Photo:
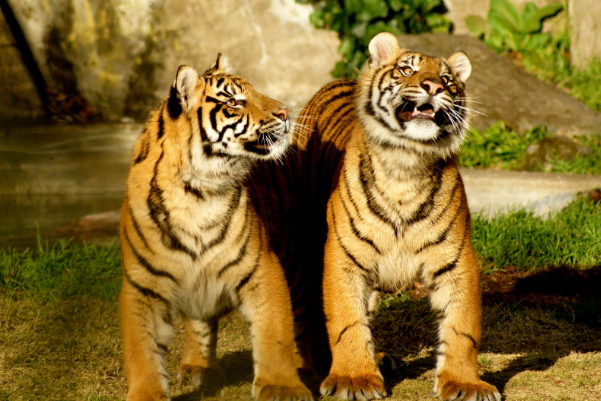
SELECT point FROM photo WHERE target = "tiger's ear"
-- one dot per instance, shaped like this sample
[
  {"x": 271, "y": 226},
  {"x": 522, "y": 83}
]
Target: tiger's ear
[
  {"x": 381, "y": 48},
  {"x": 184, "y": 87},
  {"x": 461, "y": 65},
  {"x": 222, "y": 64}
]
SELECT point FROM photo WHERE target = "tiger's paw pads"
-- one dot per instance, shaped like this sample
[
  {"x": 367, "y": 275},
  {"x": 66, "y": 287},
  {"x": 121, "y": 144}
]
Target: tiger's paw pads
[
  {"x": 361, "y": 388},
  {"x": 202, "y": 376},
  {"x": 271, "y": 392},
  {"x": 477, "y": 391}
]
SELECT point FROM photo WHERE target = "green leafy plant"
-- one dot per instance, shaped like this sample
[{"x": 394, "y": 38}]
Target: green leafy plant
[
  {"x": 508, "y": 30},
  {"x": 358, "y": 21}
]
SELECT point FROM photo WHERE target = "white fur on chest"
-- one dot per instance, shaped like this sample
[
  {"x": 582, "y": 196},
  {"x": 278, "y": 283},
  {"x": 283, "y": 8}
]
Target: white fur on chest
[{"x": 397, "y": 266}]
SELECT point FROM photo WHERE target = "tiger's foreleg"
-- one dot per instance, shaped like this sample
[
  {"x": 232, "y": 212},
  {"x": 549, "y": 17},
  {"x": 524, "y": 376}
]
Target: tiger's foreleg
[
  {"x": 146, "y": 328},
  {"x": 455, "y": 297},
  {"x": 354, "y": 374},
  {"x": 265, "y": 302},
  {"x": 199, "y": 359}
]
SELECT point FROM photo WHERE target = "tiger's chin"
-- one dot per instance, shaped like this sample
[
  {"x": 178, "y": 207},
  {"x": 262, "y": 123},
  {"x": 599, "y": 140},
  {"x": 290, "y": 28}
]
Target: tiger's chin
[
  {"x": 267, "y": 148},
  {"x": 422, "y": 130}
]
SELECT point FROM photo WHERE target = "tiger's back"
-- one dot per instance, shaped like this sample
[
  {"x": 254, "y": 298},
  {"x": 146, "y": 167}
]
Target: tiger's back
[{"x": 379, "y": 160}]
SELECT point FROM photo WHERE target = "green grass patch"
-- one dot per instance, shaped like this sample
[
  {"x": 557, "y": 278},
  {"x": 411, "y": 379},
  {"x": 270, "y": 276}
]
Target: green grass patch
[
  {"x": 498, "y": 147},
  {"x": 61, "y": 271},
  {"x": 502, "y": 148},
  {"x": 521, "y": 239},
  {"x": 585, "y": 84}
]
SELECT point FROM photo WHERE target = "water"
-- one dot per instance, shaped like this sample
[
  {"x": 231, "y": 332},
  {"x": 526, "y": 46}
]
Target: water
[{"x": 63, "y": 181}]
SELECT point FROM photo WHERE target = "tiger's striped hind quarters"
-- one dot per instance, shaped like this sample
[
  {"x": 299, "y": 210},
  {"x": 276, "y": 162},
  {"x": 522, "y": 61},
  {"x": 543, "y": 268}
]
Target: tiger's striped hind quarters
[
  {"x": 380, "y": 160},
  {"x": 192, "y": 242}
]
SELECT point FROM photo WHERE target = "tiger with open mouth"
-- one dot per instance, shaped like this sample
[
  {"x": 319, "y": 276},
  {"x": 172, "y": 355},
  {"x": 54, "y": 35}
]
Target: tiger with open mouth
[{"x": 379, "y": 163}]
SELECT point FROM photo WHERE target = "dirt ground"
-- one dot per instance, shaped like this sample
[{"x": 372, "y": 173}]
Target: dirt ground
[{"x": 541, "y": 341}]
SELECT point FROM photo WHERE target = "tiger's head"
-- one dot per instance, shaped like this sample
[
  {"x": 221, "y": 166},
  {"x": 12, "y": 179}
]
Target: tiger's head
[
  {"x": 229, "y": 119},
  {"x": 413, "y": 100}
]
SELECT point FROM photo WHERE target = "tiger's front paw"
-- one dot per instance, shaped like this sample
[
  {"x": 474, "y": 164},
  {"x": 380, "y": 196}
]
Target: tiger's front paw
[
  {"x": 202, "y": 376},
  {"x": 273, "y": 392},
  {"x": 479, "y": 390},
  {"x": 361, "y": 388}
]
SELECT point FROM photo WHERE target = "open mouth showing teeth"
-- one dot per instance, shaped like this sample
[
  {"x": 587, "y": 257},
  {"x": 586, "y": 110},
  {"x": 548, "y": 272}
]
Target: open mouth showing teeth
[{"x": 407, "y": 112}]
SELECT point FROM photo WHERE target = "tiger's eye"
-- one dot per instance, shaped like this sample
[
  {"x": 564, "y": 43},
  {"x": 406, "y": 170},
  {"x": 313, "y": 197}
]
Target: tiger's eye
[
  {"x": 406, "y": 71},
  {"x": 235, "y": 103}
]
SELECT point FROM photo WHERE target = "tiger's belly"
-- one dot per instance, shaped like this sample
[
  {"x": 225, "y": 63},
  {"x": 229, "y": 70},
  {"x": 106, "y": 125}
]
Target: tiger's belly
[
  {"x": 397, "y": 267},
  {"x": 202, "y": 293},
  {"x": 205, "y": 297}
]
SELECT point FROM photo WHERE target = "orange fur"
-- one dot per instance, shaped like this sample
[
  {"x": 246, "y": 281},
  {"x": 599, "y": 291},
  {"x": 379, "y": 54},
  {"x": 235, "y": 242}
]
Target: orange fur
[
  {"x": 195, "y": 245},
  {"x": 380, "y": 157}
]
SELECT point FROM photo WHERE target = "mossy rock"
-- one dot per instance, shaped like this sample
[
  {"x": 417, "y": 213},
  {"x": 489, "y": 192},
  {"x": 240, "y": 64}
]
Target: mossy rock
[{"x": 552, "y": 148}]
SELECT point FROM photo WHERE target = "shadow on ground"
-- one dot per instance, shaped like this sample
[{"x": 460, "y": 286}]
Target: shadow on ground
[{"x": 541, "y": 317}]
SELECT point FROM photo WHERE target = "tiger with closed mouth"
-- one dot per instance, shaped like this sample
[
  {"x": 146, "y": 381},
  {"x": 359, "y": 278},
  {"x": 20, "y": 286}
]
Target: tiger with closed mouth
[
  {"x": 193, "y": 242},
  {"x": 379, "y": 162}
]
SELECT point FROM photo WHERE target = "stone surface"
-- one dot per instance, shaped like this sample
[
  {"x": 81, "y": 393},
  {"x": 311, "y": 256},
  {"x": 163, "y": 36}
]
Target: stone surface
[
  {"x": 505, "y": 92},
  {"x": 493, "y": 192},
  {"x": 585, "y": 23},
  {"x": 19, "y": 98},
  {"x": 556, "y": 147},
  {"x": 122, "y": 55}
]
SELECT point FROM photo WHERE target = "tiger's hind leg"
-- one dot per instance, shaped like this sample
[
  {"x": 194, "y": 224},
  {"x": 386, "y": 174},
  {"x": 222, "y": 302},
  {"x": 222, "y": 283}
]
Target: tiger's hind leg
[
  {"x": 265, "y": 303},
  {"x": 455, "y": 297},
  {"x": 146, "y": 328},
  {"x": 199, "y": 358}
]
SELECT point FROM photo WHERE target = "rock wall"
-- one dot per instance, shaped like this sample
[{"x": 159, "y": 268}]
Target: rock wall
[
  {"x": 122, "y": 55},
  {"x": 19, "y": 98},
  {"x": 585, "y": 23}
]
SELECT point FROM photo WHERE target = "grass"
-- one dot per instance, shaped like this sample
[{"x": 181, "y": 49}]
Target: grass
[
  {"x": 519, "y": 238},
  {"x": 502, "y": 148},
  {"x": 568, "y": 238},
  {"x": 59, "y": 329},
  {"x": 61, "y": 271},
  {"x": 70, "y": 350}
]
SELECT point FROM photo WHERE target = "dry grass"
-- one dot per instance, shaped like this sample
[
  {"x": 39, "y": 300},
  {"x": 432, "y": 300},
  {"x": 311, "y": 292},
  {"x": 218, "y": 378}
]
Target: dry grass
[{"x": 535, "y": 346}]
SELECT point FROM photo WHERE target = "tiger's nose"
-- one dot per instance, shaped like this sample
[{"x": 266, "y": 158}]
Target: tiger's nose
[
  {"x": 282, "y": 114},
  {"x": 432, "y": 87}
]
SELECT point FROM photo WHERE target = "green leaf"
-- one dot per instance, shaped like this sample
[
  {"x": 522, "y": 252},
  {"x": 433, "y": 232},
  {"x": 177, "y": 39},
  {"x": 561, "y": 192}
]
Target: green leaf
[
  {"x": 429, "y": 5},
  {"x": 359, "y": 29},
  {"x": 348, "y": 47},
  {"x": 353, "y": 6},
  {"x": 533, "y": 17},
  {"x": 504, "y": 16},
  {"x": 434, "y": 20},
  {"x": 478, "y": 26},
  {"x": 317, "y": 17},
  {"x": 496, "y": 41},
  {"x": 396, "y": 5},
  {"x": 339, "y": 70},
  {"x": 372, "y": 9},
  {"x": 380, "y": 26}
]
